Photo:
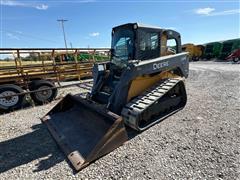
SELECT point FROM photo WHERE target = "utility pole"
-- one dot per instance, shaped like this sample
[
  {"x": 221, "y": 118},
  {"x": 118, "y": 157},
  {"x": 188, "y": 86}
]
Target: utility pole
[{"x": 64, "y": 35}]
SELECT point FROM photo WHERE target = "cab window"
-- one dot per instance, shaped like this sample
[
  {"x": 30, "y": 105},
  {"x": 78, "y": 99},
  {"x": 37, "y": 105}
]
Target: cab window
[
  {"x": 171, "y": 46},
  {"x": 148, "y": 41}
]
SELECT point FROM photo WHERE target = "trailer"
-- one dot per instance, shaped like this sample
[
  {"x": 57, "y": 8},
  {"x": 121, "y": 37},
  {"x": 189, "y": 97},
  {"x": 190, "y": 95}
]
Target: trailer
[{"x": 39, "y": 71}]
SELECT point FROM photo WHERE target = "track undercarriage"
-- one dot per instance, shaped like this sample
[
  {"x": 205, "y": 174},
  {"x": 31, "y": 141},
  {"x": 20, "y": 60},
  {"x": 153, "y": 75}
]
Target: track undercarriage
[{"x": 155, "y": 104}]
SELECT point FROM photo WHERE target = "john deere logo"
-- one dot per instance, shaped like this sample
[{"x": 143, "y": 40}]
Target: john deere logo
[{"x": 160, "y": 65}]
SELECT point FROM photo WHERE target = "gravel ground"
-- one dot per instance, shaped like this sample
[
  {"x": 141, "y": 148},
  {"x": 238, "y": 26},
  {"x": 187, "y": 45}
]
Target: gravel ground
[{"x": 200, "y": 142}]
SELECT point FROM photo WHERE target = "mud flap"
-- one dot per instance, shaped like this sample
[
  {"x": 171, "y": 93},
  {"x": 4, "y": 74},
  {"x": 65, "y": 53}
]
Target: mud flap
[{"x": 84, "y": 130}]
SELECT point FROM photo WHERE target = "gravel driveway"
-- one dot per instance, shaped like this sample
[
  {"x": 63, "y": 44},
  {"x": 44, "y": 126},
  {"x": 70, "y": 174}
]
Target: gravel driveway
[{"x": 200, "y": 142}]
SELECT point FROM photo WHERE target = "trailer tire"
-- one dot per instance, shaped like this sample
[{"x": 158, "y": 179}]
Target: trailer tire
[
  {"x": 45, "y": 96},
  {"x": 10, "y": 103}
]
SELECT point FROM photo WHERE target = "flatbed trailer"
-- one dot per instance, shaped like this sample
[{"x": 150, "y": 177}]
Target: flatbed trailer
[{"x": 36, "y": 71}]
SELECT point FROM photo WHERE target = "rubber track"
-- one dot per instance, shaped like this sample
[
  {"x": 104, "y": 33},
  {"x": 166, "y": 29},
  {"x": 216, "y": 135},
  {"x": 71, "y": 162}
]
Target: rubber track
[{"x": 132, "y": 111}]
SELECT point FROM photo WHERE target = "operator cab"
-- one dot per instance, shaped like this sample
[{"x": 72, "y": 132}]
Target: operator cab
[
  {"x": 130, "y": 43},
  {"x": 135, "y": 41}
]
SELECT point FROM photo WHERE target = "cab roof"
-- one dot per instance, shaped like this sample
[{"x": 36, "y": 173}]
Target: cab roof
[{"x": 139, "y": 25}]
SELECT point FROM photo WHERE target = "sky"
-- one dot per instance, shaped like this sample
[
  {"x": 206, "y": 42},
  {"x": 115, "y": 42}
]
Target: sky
[{"x": 33, "y": 23}]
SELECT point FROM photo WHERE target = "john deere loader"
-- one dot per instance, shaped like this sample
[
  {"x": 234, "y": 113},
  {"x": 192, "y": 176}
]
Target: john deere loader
[{"x": 141, "y": 85}]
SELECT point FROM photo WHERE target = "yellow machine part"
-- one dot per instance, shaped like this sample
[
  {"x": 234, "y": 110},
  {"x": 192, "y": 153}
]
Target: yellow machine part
[
  {"x": 141, "y": 83},
  {"x": 189, "y": 48},
  {"x": 164, "y": 45},
  {"x": 194, "y": 50},
  {"x": 198, "y": 50}
]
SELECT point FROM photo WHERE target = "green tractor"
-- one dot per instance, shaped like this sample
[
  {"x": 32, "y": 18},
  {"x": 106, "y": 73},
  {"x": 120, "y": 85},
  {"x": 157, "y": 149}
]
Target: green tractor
[
  {"x": 228, "y": 47},
  {"x": 212, "y": 50}
]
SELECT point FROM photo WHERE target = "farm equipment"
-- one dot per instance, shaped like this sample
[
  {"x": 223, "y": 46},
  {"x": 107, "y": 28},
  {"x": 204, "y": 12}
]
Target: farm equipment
[
  {"x": 35, "y": 72},
  {"x": 195, "y": 51},
  {"x": 198, "y": 52},
  {"x": 234, "y": 56},
  {"x": 228, "y": 47},
  {"x": 212, "y": 50},
  {"x": 190, "y": 49},
  {"x": 139, "y": 87}
]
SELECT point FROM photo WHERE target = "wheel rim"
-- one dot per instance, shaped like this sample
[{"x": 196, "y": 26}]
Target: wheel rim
[
  {"x": 43, "y": 95},
  {"x": 8, "y": 101}
]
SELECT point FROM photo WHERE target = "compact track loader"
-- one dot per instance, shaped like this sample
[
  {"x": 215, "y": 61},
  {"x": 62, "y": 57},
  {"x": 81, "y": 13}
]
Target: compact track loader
[{"x": 141, "y": 85}]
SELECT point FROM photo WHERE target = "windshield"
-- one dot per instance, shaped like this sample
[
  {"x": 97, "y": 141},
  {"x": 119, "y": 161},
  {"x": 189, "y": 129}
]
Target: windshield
[{"x": 122, "y": 47}]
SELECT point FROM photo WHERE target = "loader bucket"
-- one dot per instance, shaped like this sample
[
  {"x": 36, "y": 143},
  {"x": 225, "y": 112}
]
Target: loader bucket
[{"x": 83, "y": 130}]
